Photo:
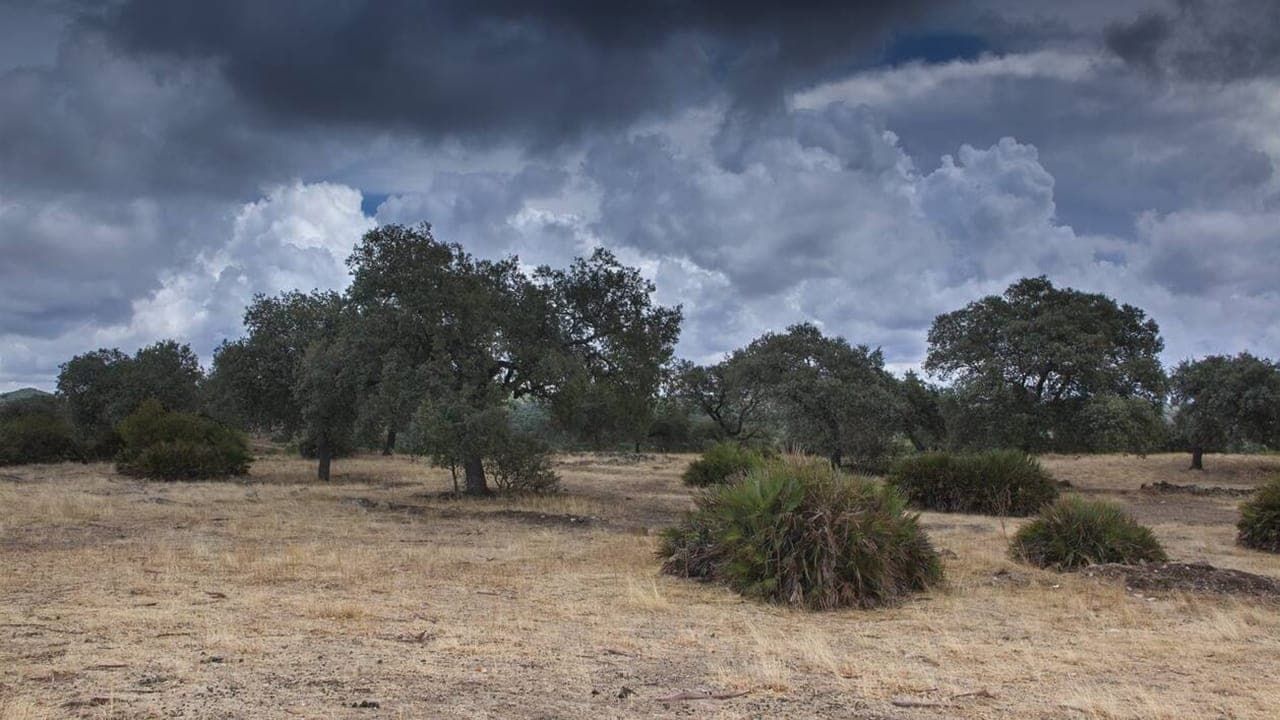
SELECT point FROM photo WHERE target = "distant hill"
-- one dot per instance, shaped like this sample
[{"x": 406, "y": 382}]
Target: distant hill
[{"x": 22, "y": 394}]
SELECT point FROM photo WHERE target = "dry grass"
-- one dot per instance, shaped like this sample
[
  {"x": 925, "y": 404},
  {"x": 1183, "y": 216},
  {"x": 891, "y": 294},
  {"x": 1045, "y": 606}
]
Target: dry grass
[{"x": 281, "y": 597}]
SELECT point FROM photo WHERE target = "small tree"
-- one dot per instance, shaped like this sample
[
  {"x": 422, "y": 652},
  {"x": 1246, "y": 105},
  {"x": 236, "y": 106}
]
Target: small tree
[
  {"x": 1220, "y": 401},
  {"x": 732, "y": 393},
  {"x": 102, "y": 387},
  {"x": 254, "y": 378},
  {"x": 834, "y": 399},
  {"x": 922, "y": 421},
  {"x": 326, "y": 401}
]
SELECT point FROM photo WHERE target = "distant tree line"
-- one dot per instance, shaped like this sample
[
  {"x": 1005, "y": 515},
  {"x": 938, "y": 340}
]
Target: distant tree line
[
  {"x": 487, "y": 366},
  {"x": 1038, "y": 368}
]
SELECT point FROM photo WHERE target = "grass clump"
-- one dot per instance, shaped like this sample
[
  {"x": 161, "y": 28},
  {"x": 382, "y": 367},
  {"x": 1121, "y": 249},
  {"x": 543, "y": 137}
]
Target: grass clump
[
  {"x": 721, "y": 463},
  {"x": 798, "y": 532},
  {"x": 1074, "y": 532},
  {"x": 1000, "y": 482},
  {"x": 162, "y": 445},
  {"x": 1259, "y": 524}
]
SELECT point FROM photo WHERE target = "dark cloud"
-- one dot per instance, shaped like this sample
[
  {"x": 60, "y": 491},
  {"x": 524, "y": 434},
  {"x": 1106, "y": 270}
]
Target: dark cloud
[
  {"x": 765, "y": 163},
  {"x": 1215, "y": 40},
  {"x": 539, "y": 73}
]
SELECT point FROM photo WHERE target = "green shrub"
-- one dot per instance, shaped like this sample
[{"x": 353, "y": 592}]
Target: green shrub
[
  {"x": 1260, "y": 519},
  {"x": 722, "y": 463},
  {"x": 800, "y": 533},
  {"x": 1002, "y": 482},
  {"x": 1074, "y": 532},
  {"x": 36, "y": 438},
  {"x": 164, "y": 445},
  {"x": 522, "y": 464}
]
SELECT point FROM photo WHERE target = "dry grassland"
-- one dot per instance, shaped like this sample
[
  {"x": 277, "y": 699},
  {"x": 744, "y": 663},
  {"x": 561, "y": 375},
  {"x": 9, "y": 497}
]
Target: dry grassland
[{"x": 281, "y": 597}]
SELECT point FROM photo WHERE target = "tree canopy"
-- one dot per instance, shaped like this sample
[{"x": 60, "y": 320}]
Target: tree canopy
[
  {"x": 485, "y": 332},
  {"x": 103, "y": 387},
  {"x": 1025, "y": 363},
  {"x": 1221, "y": 401}
]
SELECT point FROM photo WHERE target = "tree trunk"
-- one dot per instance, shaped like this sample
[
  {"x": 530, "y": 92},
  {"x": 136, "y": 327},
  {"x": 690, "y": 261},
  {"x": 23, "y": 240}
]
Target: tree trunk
[
  {"x": 390, "y": 446},
  {"x": 325, "y": 456},
  {"x": 473, "y": 468},
  {"x": 1197, "y": 459}
]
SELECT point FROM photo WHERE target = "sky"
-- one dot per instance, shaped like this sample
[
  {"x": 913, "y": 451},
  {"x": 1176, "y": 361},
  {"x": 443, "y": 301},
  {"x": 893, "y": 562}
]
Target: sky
[{"x": 861, "y": 165}]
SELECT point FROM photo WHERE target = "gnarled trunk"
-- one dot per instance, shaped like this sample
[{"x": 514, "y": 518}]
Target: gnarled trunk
[
  {"x": 1197, "y": 459},
  {"x": 473, "y": 469},
  {"x": 390, "y": 445}
]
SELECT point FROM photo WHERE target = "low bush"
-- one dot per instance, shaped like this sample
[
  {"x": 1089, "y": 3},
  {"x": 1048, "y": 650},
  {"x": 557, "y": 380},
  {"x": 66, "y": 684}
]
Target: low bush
[
  {"x": 164, "y": 445},
  {"x": 522, "y": 464},
  {"x": 1260, "y": 519},
  {"x": 800, "y": 533},
  {"x": 1074, "y": 532},
  {"x": 722, "y": 463},
  {"x": 36, "y": 438},
  {"x": 1002, "y": 482}
]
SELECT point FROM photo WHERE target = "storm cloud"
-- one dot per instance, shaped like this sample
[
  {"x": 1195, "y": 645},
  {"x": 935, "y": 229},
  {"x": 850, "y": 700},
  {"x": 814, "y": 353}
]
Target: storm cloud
[
  {"x": 863, "y": 166},
  {"x": 541, "y": 73}
]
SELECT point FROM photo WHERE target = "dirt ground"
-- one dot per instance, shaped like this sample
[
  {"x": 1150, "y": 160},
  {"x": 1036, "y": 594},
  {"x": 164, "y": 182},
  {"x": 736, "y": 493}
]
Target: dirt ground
[{"x": 375, "y": 597}]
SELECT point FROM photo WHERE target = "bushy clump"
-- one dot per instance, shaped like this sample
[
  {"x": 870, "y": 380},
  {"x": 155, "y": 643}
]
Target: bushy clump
[
  {"x": 164, "y": 445},
  {"x": 1260, "y": 519},
  {"x": 522, "y": 464},
  {"x": 722, "y": 463},
  {"x": 800, "y": 533},
  {"x": 1074, "y": 532},
  {"x": 36, "y": 438},
  {"x": 1002, "y": 482}
]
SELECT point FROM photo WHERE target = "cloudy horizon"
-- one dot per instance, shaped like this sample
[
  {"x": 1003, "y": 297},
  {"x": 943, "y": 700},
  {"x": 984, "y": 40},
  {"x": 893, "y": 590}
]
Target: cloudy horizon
[{"x": 864, "y": 166}]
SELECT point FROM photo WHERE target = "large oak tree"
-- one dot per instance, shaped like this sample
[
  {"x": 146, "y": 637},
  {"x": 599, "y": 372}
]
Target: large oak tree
[
  {"x": 1027, "y": 362},
  {"x": 485, "y": 332}
]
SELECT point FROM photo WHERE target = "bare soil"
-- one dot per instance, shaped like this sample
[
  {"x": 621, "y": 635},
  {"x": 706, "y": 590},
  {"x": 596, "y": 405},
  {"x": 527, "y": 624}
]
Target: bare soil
[
  {"x": 1189, "y": 577},
  {"x": 376, "y": 596}
]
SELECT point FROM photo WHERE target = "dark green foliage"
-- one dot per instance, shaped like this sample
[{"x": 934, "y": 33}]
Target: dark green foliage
[
  {"x": 521, "y": 464},
  {"x": 1074, "y": 532},
  {"x": 36, "y": 438},
  {"x": 831, "y": 398},
  {"x": 1221, "y": 402},
  {"x": 254, "y": 379},
  {"x": 515, "y": 459},
  {"x": 799, "y": 532},
  {"x": 1025, "y": 363},
  {"x": 587, "y": 340},
  {"x": 721, "y": 463},
  {"x": 101, "y": 388},
  {"x": 162, "y": 445},
  {"x": 1108, "y": 424},
  {"x": 922, "y": 420},
  {"x": 1260, "y": 519},
  {"x": 325, "y": 394},
  {"x": 732, "y": 393},
  {"x": 1002, "y": 482}
]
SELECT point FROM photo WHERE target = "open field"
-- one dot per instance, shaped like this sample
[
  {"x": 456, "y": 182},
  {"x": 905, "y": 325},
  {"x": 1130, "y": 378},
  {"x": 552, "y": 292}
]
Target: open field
[{"x": 282, "y": 597}]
